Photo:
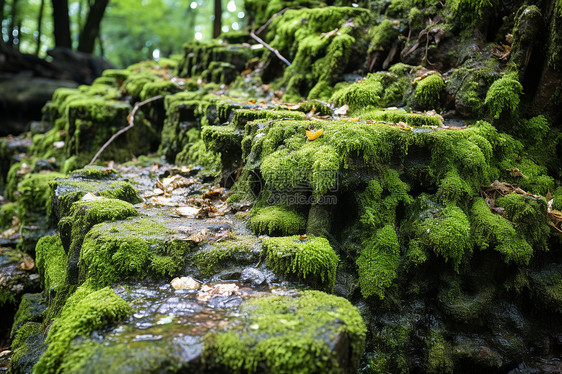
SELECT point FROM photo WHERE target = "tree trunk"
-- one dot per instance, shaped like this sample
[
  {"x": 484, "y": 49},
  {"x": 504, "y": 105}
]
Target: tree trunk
[
  {"x": 2, "y": 4},
  {"x": 39, "y": 27},
  {"x": 61, "y": 22},
  {"x": 12, "y": 26},
  {"x": 217, "y": 22},
  {"x": 91, "y": 29}
]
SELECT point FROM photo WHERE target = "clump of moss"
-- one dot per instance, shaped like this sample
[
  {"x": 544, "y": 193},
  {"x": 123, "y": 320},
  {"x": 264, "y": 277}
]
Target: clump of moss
[
  {"x": 83, "y": 215},
  {"x": 380, "y": 256},
  {"x": 472, "y": 11},
  {"x": 502, "y": 97},
  {"x": 395, "y": 116},
  {"x": 546, "y": 288},
  {"x": 85, "y": 311},
  {"x": 490, "y": 230},
  {"x": 311, "y": 258},
  {"x": 277, "y": 221},
  {"x": 7, "y": 214},
  {"x": 27, "y": 347},
  {"x": 427, "y": 93},
  {"x": 527, "y": 214},
  {"x": 287, "y": 334},
  {"x": 444, "y": 231},
  {"x": 35, "y": 193},
  {"x": 378, "y": 262},
  {"x": 51, "y": 261},
  {"x": 464, "y": 306},
  {"x": 130, "y": 249},
  {"x": 439, "y": 358}
]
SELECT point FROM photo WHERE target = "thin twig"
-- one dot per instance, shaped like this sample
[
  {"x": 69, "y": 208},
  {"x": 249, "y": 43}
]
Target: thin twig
[
  {"x": 257, "y": 39},
  {"x": 131, "y": 119},
  {"x": 260, "y": 30}
]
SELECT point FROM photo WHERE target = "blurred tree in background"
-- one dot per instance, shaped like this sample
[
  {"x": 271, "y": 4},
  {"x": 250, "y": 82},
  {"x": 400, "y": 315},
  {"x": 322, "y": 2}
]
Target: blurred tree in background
[{"x": 123, "y": 31}]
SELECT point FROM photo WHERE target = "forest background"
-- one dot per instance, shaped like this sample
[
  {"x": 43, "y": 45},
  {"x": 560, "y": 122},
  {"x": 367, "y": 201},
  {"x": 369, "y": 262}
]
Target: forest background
[{"x": 121, "y": 31}]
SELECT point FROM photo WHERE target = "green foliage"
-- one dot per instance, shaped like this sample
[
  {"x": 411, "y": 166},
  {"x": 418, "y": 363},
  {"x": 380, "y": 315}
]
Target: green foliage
[
  {"x": 51, "y": 261},
  {"x": 277, "y": 221},
  {"x": 428, "y": 92},
  {"x": 472, "y": 11},
  {"x": 311, "y": 258},
  {"x": 286, "y": 335},
  {"x": 85, "y": 311},
  {"x": 493, "y": 231},
  {"x": 503, "y": 96},
  {"x": 439, "y": 358}
]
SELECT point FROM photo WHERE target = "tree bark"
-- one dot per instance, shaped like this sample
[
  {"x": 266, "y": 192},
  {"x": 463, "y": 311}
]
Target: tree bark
[
  {"x": 12, "y": 26},
  {"x": 2, "y": 4},
  {"x": 217, "y": 22},
  {"x": 61, "y": 22},
  {"x": 39, "y": 27},
  {"x": 91, "y": 29}
]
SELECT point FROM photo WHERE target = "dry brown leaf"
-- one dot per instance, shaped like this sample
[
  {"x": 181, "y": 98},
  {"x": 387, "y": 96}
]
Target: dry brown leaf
[
  {"x": 222, "y": 289},
  {"x": 199, "y": 236},
  {"x": 27, "y": 263},
  {"x": 515, "y": 173}
]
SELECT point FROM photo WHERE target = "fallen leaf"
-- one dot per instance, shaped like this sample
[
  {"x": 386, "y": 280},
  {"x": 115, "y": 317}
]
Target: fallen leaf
[
  {"x": 222, "y": 289},
  {"x": 199, "y": 236},
  {"x": 341, "y": 111},
  {"x": 294, "y": 106},
  {"x": 185, "y": 283},
  {"x": 314, "y": 134},
  {"x": 27, "y": 263},
  {"x": 187, "y": 211},
  {"x": 91, "y": 197}
]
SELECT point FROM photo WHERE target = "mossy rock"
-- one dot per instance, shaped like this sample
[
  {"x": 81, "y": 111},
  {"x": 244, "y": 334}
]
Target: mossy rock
[
  {"x": 231, "y": 254},
  {"x": 85, "y": 311},
  {"x": 136, "y": 248},
  {"x": 311, "y": 260},
  {"x": 277, "y": 221},
  {"x": 290, "y": 334},
  {"x": 546, "y": 288},
  {"x": 52, "y": 261}
]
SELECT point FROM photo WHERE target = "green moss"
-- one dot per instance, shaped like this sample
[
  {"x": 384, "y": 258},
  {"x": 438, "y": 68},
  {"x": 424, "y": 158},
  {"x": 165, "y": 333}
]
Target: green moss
[
  {"x": 82, "y": 216},
  {"x": 472, "y": 11},
  {"x": 160, "y": 87},
  {"x": 27, "y": 347},
  {"x": 120, "y": 75},
  {"x": 31, "y": 309},
  {"x": 466, "y": 306},
  {"x": 85, "y": 311},
  {"x": 277, "y": 221},
  {"x": 243, "y": 116},
  {"x": 35, "y": 193},
  {"x": 287, "y": 335},
  {"x": 503, "y": 96},
  {"x": 439, "y": 358},
  {"x": 135, "y": 82},
  {"x": 311, "y": 258},
  {"x": 454, "y": 189},
  {"x": 364, "y": 94},
  {"x": 51, "y": 261},
  {"x": 95, "y": 173},
  {"x": 380, "y": 254},
  {"x": 384, "y": 35},
  {"x": 131, "y": 249},
  {"x": 493, "y": 231},
  {"x": 221, "y": 138},
  {"x": 557, "y": 199},
  {"x": 428, "y": 92},
  {"x": 446, "y": 232},
  {"x": 378, "y": 262},
  {"x": 546, "y": 288},
  {"x": 395, "y": 116},
  {"x": 7, "y": 214},
  {"x": 527, "y": 214},
  {"x": 234, "y": 250}
]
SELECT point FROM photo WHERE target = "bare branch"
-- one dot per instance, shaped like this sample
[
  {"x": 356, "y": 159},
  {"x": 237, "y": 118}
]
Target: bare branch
[
  {"x": 260, "y": 30},
  {"x": 131, "y": 120},
  {"x": 257, "y": 38}
]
